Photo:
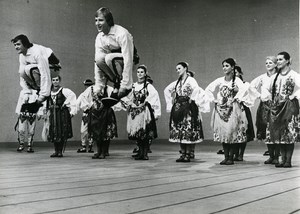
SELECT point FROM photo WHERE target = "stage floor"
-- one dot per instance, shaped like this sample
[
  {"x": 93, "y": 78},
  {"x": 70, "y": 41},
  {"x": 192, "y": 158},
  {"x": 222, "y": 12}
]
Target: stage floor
[{"x": 36, "y": 183}]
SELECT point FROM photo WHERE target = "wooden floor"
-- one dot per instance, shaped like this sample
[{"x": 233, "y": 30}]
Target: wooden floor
[{"x": 36, "y": 183}]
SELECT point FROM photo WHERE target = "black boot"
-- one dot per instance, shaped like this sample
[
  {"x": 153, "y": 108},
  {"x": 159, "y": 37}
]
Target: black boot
[
  {"x": 183, "y": 153},
  {"x": 99, "y": 151},
  {"x": 236, "y": 151},
  {"x": 55, "y": 151},
  {"x": 146, "y": 150},
  {"x": 276, "y": 154},
  {"x": 271, "y": 148},
  {"x": 60, "y": 149},
  {"x": 90, "y": 149},
  {"x": 242, "y": 151},
  {"x": 106, "y": 151},
  {"x": 226, "y": 153},
  {"x": 231, "y": 151},
  {"x": 283, "y": 156},
  {"x": 289, "y": 154},
  {"x": 141, "y": 151},
  {"x": 82, "y": 149}
]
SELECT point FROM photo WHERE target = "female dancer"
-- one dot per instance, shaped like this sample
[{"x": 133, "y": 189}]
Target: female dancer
[
  {"x": 143, "y": 109},
  {"x": 261, "y": 84},
  {"x": 284, "y": 122},
  {"x": 102, "y": 121},
  {"x": 229, "y": 120},
  {"x": 61, "y": 106},
  {"x": 184, "y": 98}
]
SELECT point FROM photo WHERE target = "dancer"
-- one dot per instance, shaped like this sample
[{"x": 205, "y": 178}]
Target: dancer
[
  {"x": 85, "y": 129},
  {"x": 229, "y": 120},
  {"x": 259, "y": 87},
  {"x": 115, "y": 54},
  {"x": 144, "y": 108},
  {"x": 283, "y": 128},
  {"x": 35, "y": 64},
  {"x": 61, "y": 106},
  {"x": 184, "y": 99},
  {"x": 102, "y": 121}
]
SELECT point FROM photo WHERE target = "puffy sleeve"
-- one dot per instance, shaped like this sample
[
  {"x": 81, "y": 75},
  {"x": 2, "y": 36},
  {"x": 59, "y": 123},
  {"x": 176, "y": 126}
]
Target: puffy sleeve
[
  {"x": 243, "y": 87},
  {"x": 153, "y": 100},
  {"x": 70, "y": 101},
  {"x": 85, "y": 100},
  {"x": 252, "y": 92},
  {"x": 210, "y": 89},
  {"x": 296, "y": 92},
  {"x": 202, "y": 101},
  {"x": 169, "y": 94}
]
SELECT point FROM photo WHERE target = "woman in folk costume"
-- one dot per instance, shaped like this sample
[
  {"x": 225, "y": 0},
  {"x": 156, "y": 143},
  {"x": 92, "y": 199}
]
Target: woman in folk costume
[
  {"x": 184, "y": 101},
  {"x": 284, "y": 123},
  {"x": 61, "y": 106},
  {"x": 143, "y": 108},
  {"x": 259, "y": 88},
  {"x": 229, "y": 121},
  {"x": 102, "y": 121}
]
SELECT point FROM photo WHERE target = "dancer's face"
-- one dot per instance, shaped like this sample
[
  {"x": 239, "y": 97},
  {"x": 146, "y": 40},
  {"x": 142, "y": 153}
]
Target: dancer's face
[
  {"x": 270, "y": 65},
  {"x": 227, "y": 68},
  {"x": 20, "y": 47},
  {"x": 281, "y": 62},
  {"x": 141, "y": 74},
  {"x": 55, "y": 81},
  {"x": 180, "y": 70},
  {"x": 101, "y": 24}
]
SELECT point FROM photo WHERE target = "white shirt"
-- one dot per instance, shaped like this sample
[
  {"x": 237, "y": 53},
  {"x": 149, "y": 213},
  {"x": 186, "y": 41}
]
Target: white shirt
[
  {"x": 117, "y": 38},
  {"x": 37, "y": 54}
]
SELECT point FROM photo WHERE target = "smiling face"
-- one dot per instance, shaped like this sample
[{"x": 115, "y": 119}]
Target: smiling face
[
  {"x": 55, "y": 82},
  {"x": 141, "y": 74},
  {"x": 282, "y": 62},
  {"x": 180, "y": 70},
  {"x": 101, "y": 24},
  {"x": 20, "y": 47},
  {"x": 227, "y": 68},
  {"x": 270, "y": 65}
]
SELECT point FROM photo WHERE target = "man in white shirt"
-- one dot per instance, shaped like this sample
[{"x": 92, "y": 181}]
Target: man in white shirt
[
  {"x": 114, "y": 54},
  {"x": 35, "y": 64}
]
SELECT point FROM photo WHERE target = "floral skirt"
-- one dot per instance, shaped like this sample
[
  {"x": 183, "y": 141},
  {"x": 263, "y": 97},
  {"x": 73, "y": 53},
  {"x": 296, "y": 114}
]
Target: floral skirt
[
  {"x": 103, "y": 124},
  {"x": 141, "y": 123},
  {"x": 284, "y": 124},
  {"x": 185, "y": 122},
  {"x": 229, "y": 123}
]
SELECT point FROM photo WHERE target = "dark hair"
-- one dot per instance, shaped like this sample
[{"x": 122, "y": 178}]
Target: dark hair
[
  {"x": 144, "y": 67},
  {"x": 107, "y": 15},
  {"x": 24, "y": 40},
  {"x": 184, "y": 64},
  {"x": 231, "y": 62},
  {"x": 239, "y": 69},
  {"x": 286, "y": 57}
]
